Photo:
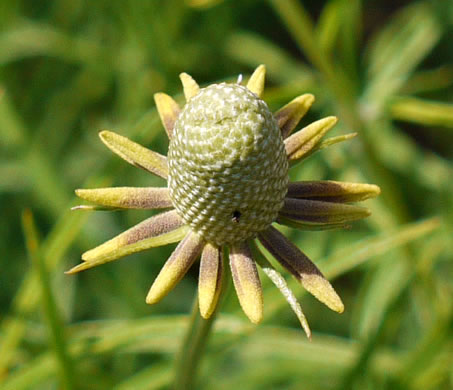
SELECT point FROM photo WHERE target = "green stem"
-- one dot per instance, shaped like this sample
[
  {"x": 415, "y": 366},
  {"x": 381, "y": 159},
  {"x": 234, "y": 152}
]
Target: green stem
[
  {"x": 192, "y": 349},
  {"x": 197, "y": 335},
  {"x": 50, "y": 309}
]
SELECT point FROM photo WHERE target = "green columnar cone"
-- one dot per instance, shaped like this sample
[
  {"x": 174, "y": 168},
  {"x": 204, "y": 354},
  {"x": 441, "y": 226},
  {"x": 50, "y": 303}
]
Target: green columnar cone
[{"x": 228, "y": 170}]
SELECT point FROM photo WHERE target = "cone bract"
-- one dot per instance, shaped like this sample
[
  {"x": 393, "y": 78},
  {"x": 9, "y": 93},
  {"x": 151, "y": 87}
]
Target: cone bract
[{"x": 228, "y": 170}]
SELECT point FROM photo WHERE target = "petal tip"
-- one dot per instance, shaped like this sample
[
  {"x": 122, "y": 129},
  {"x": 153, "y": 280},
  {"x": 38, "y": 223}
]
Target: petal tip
[
  {"x": 104, "y": 134},
  {"x": 338, "y": 306},
  {"x": 151, "y": 299},
  {"x": 190, "y": 86},
  {"x": 256, "y": 81},
  {"x": 205, "y": 313},
  {"x": 332, "y": 119},
  {"x": 375, "y": 190},
  {"x": 255, "y": 317}
]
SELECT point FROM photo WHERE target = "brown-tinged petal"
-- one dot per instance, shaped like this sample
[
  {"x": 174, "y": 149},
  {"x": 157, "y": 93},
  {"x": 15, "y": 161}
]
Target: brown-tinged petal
[
  {"x": 190, "y": 86},
  {"x": 168, "y": 111},
  {"x": 246, "y": 281},
  {"x": 301, "y": 143},
  {"x": 281, "y": 284},
  {"x": 210, "y": 280},
  {"x": 256, "y": 81},
  {"x": 332, "y": 191},
  {"x": 289, "y": 115},
  {"x": 301, "y": 267},
  {"x": 135, "y": 154},
  {"x": 319, "y": 211},
  {"x": 161, "y": 229},
  {"x": 176, "y": 266},
  {"x": 128, "y": 197},
  {"x": 309, "y": 225}
]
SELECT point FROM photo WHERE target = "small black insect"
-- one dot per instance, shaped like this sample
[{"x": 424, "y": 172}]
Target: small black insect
[{"x": 236, "y": 216}]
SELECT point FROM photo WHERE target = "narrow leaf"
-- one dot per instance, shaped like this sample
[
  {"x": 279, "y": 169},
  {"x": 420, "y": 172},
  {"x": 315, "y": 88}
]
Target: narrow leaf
[
  {"x": 281, "y": 284},
  {"x": 302, "y": 142}
]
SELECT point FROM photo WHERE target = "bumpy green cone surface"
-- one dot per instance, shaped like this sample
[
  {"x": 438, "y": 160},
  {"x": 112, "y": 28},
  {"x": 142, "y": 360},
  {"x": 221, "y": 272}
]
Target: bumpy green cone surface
[{"x": 228, "y": 170}]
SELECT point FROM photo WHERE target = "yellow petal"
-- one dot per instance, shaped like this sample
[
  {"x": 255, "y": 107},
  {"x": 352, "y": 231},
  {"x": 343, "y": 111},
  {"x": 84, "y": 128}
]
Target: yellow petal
[
  {"x": 176, "y": 267},
  {"x": 190, "y": 86},
  {"x": 256, "y": 82},
  {"x": 168, "y": 111},
  {"x": 128, "y": 197},
  {"x": 289, "y": 115},
  {"x": 332, "y": 191},
  {"x": 162, "y": 229},
  {"x": 302, "y": 142},
  {"x": 135, "y": 154},
  {"x": 290, "y": 257},
  {"x": 210, "y": 280},
  {"x": 246, "y": 281}
]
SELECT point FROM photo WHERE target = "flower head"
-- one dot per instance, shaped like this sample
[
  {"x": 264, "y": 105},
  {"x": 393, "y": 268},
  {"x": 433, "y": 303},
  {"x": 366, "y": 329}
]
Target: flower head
[{"x": 227, "y": 173}]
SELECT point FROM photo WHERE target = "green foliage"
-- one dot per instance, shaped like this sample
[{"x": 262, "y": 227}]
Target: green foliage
[{"x": 69, "y": 69}]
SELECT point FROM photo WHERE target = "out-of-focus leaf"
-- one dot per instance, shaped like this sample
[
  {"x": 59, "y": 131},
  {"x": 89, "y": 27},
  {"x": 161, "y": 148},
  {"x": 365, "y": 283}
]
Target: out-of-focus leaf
[
  {"x": 12, "y": 131},
  {"x": 423, "y": 112},
  {"x": 398, "y": 49},
  {"x": 253, "y": 50},
  {"x": 33, "y": 39},
  {"x": 348, "y": 258}
]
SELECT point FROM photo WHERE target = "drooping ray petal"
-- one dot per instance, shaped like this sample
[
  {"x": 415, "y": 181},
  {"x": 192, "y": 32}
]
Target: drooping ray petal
[
  {"x": 332, "y": 191},
  {"x": 168, "y": 111},
  {"x": 301, "y": 143},
  {"x": 309, "y": 225},
  {"x": 190, "y": 86},
  {"x": 256, "y": 81},
  {"x": 319, "y": 211},
  {"x": 289, "y": 115},
  {"x": 246, "y": 281},
  {"x": 128, "y": 197},
  {"x": 135, "y": 154},
  {"x": 176, "y": 266},
  {"x": 210, "y": 280},
  {"x": 162, "y": 229},
  {"x": 281, "y": 284},
  {"x": 301, "y": 267}
]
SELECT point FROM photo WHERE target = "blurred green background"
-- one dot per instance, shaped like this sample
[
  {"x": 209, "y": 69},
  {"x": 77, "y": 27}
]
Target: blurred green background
[{"x": 70, "y": 68}]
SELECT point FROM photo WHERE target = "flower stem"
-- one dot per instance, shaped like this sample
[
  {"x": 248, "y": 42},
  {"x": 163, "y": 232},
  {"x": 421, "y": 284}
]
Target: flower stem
[
  {"x": 192, "y": 349},
  {"x": 197, "y": 335}
]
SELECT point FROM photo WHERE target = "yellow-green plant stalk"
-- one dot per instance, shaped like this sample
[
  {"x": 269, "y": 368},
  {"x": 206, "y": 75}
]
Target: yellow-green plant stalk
[{"x": 227, "y": 172}]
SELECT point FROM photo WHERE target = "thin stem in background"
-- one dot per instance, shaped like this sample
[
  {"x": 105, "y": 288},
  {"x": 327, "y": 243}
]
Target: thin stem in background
[
  {"x": 198, "y": 332},
  {"x": 50, "y": 309},
  {"x": 192, "y": 348}
]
